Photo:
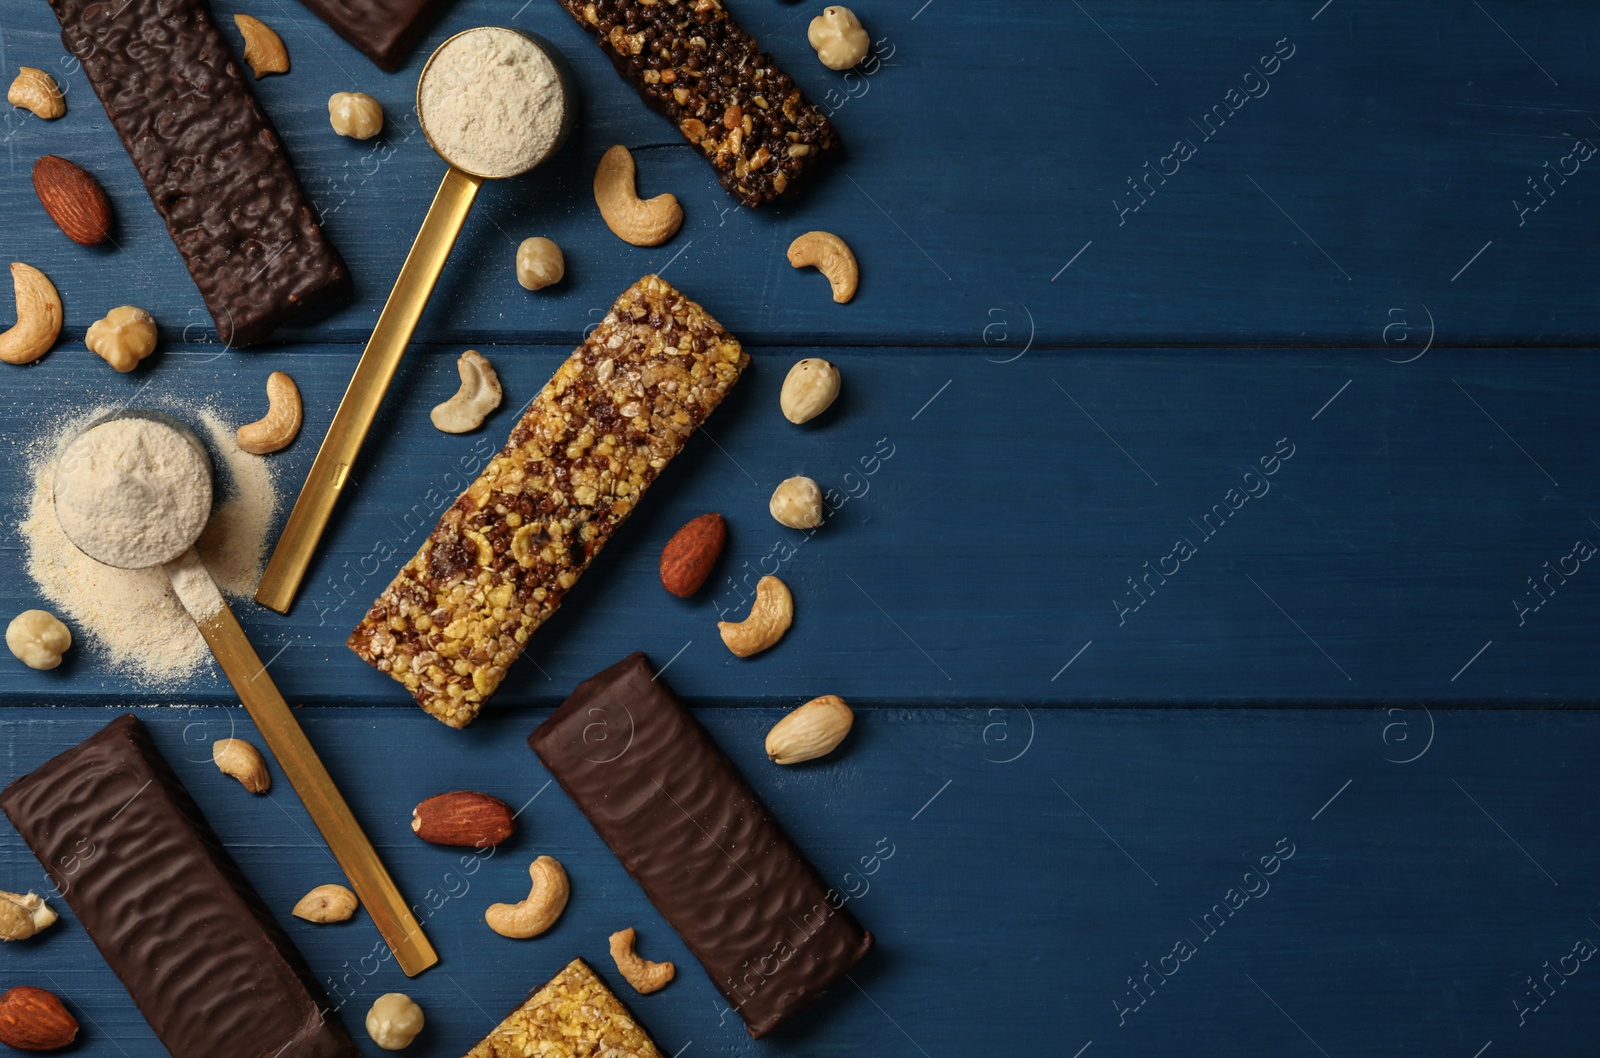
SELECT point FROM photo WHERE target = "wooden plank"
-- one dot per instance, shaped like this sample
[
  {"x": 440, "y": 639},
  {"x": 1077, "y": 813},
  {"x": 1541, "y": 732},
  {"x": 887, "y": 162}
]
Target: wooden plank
[
  {"x": 1392, "y": 146},
  {"x": 990, "y": 519},
  {"x": 1035, "y": 860}
]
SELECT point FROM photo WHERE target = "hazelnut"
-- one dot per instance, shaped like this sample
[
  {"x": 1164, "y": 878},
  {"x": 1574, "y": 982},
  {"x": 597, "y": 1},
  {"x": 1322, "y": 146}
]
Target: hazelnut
[
  {"x": 797, "y": 503},
  {"x": 38, "y": 639},
  {"x": 394, "y": 1021},
  {"x": 355, "y": 114},
  {"x": 839, "y": 38},
  {"x": 123, "y": 338},
  {"x": 539, "y": 263},
  {"x": 810, "y": 387}
]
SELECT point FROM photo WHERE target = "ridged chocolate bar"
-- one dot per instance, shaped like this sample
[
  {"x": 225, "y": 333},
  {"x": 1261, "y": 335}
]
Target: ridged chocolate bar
[
  {"x": 574, "y": 1014},
  {"x": 504, "y": 555},
  {"x": 691, "y": 62},
  {"x": 209, "y": 157},
  {"x": 384, "y": 31},
  {"x": 670, "y": 804},
  {"x": 202, "y": 957}
]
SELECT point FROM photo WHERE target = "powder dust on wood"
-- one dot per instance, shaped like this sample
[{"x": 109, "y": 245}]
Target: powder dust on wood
[{"x": 132, "y": 620}]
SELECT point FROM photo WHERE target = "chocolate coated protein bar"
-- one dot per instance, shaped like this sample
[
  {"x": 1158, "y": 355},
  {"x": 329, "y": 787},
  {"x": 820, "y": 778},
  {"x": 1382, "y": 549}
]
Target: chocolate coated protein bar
[
  {"x": 202, "y": 957},
  {"x": 209, "y": 157},
  {"x": 713, "y": 861}
]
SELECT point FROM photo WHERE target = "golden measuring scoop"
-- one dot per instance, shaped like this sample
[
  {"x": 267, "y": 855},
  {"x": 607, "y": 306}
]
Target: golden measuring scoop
[
  {"x": 152, "y": 512},
  {"x": 484, "y": 101}
]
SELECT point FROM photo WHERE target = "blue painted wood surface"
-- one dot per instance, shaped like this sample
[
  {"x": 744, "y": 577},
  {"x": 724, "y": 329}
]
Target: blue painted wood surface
[{"x": 1046, "y": 389}]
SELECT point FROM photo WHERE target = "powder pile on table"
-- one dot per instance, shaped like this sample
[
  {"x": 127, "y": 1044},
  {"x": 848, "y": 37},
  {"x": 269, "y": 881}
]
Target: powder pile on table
[{"x": 131, "y": 617}]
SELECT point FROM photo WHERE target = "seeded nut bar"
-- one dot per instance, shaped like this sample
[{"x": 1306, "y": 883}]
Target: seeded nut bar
[
  {"x": 507, "y": 551},
  {"x": 691, "y": 62},
  {"x": 574, "y": 1016}
]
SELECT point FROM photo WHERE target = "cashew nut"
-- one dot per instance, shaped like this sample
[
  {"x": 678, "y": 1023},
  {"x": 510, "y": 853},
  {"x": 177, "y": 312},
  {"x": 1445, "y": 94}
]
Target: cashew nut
[
  {"x": 642, "y": 222},
  {"x": 263, "y": 48},
  {"x": 829, "y": 255},
  {"x": 38, "y": 316},
  {"x": 238, "y": 758},
  {"x": 546, "y": 900},
  {"x": 278, "y": 426},
  {"x": 811, "y": 386},
  {"x": 540, "y": 263},
  {"x": 37, "y": 91},
  {"x": 797, "y": 503},
  {"x": 38, "y": 639},
  {"x": 21, "y": 916},
  {"x": 838, "y": 37},
  {"x": 394, "y": 1021},
  {"x": 326, "y": 903},
  {"x": 770, "y": 617},
  {"x": 478, "y": 396},
  {"x": 355, "y": 114},
  {"x": 123, "y": 337},
  {"x": 642, "y": 974}
]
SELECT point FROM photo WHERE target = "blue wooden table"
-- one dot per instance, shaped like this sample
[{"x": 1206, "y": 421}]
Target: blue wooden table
[{"x": 1218, "y": 383}]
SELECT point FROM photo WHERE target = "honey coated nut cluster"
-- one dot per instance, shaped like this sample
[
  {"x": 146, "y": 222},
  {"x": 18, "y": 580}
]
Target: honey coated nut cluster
[
  {"x": 122, "y": 337},
  {"x": 38, "y": 639},
  {"x": 355, "y": 114}
]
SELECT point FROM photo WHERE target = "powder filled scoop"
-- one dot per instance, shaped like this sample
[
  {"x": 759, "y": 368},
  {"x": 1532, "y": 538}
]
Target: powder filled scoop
[
  {"x": 493, "y": 103},
  {"x": 134, "y": 490}
]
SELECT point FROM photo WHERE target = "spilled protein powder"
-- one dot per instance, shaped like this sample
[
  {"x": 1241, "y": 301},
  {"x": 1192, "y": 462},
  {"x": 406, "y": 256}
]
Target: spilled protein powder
[
  {"x": 130, "y": 619},
  {"x": 492, "y": 102}
]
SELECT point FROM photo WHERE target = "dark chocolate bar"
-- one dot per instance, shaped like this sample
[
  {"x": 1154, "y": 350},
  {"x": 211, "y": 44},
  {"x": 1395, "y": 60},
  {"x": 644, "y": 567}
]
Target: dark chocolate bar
[
  {"x": 127, "y": 847},
  {"x": 384, "y": 31},
  {"x": 209, "y": 157},
  {"x": 694, "y": 64},
  {"x": 772, "y": 935}
]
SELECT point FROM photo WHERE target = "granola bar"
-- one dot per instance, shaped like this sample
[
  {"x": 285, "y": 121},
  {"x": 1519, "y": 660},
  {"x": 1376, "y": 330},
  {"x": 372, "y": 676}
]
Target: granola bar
[
  {"x": 505, "y": 554},
  {"x": 691, "y": 62},
  {"x": 574, "y": 1016}
]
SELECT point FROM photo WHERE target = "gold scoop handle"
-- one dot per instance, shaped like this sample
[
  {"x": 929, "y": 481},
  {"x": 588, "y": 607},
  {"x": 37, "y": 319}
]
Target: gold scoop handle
[
  {"x": 310, "y": 779},
  {"x": 359, "y": 406}
]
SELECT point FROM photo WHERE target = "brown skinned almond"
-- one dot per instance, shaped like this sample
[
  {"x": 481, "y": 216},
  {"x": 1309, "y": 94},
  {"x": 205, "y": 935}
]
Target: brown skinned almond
[
  {"x": 73, "y": 199},
  {"x": 464, "y": 818},
  {"x": 692, "y": 553},
  {"x": 32, "y": 1019}
]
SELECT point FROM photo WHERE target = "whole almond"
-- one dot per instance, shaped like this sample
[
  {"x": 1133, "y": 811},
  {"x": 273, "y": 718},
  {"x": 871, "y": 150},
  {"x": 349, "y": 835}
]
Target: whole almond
[
  {"x": 811, "y": 731},
  {"x": 32, "y": 1019},
  {"x": 74, "y": 199},
  {"x": 690, "y": 555},
  {"x": 465, "y": 818}
]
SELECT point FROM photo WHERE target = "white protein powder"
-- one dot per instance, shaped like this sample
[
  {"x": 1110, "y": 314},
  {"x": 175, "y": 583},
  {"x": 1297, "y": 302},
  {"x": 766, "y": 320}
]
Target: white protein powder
[
  {"x": 131, "y": 619},
  {"x": 133, "y": 492},
  {"x": 492, "y": 102}
]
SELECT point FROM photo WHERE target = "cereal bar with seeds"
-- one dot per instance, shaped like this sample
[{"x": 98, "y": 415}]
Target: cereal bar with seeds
[
  {"x": 574, "y": 1016},
  {"x": 691, "y": 62},
  {"x": 505, "y": 554}
]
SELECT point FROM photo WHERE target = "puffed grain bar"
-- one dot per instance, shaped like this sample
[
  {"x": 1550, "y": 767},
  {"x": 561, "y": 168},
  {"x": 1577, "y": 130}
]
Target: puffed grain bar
[
  {"x": 507, "y": 551},
  {"x": 209, "y": 157},
  {"x": 692, "y": 63},
  {"x": 573, "y": 1016}
]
